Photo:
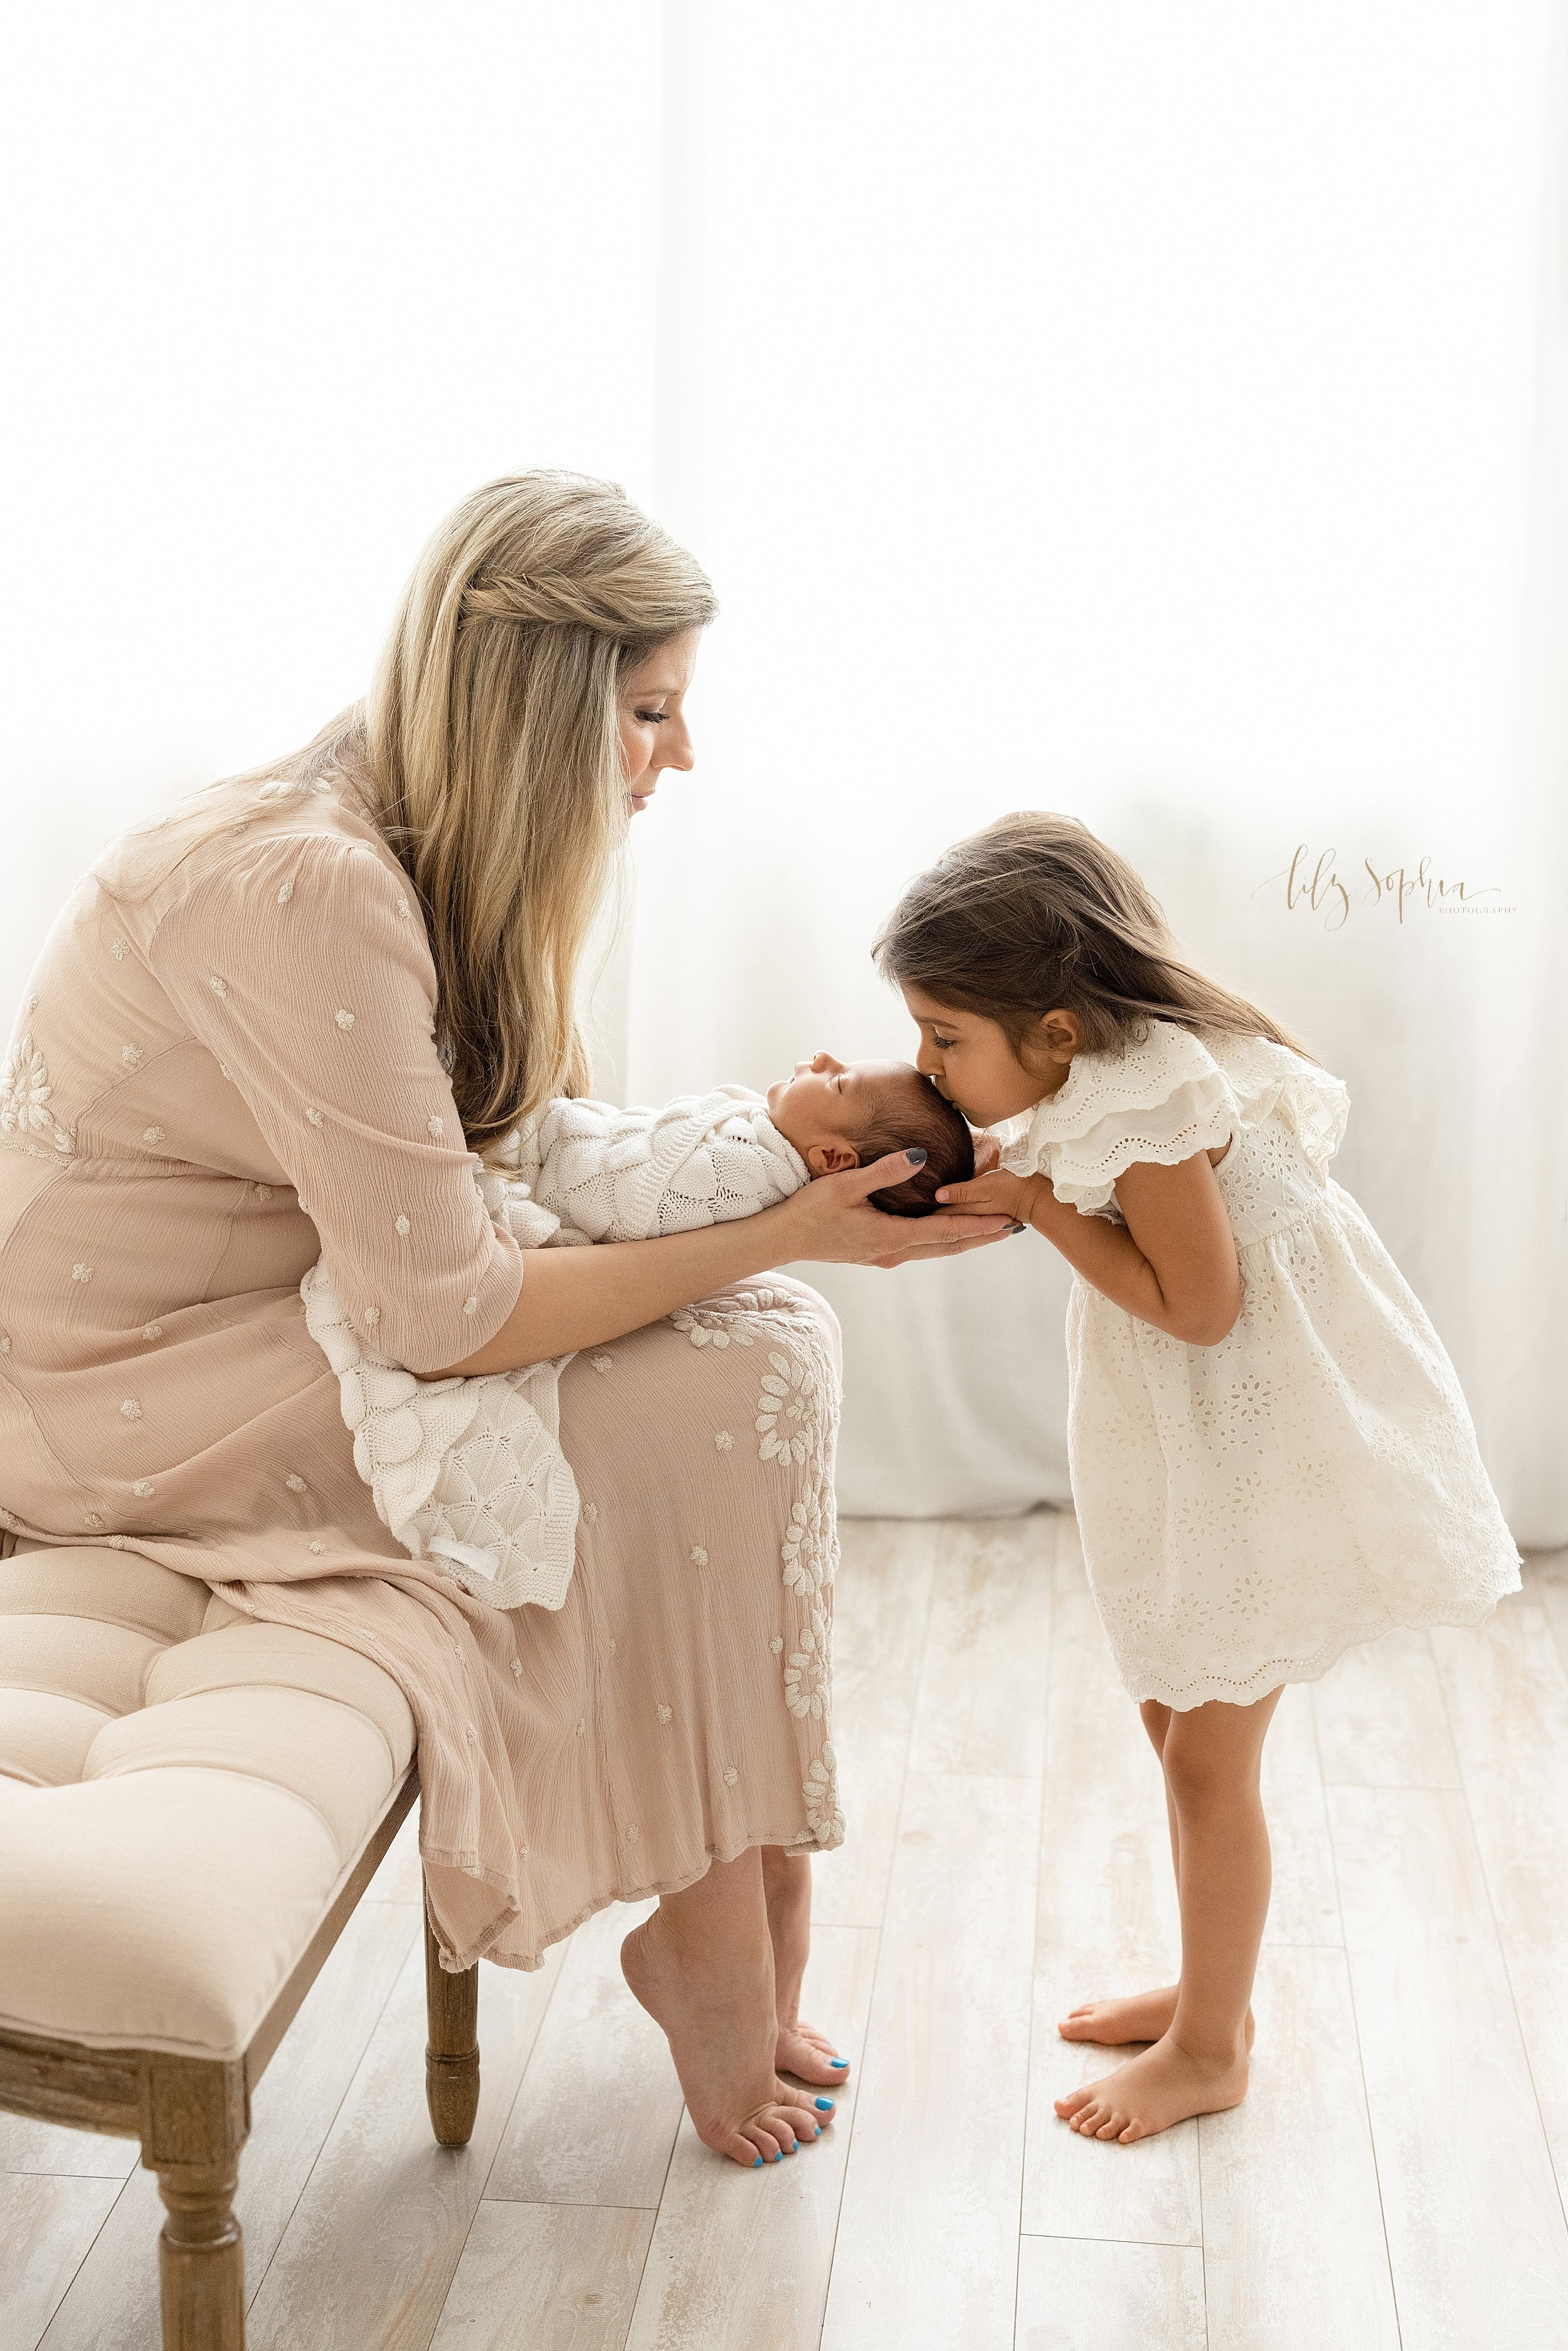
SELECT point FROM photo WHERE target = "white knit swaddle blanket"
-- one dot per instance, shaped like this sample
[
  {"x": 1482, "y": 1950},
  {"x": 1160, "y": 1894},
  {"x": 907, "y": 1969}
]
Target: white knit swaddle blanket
[{"x": 470, "y": 1471}]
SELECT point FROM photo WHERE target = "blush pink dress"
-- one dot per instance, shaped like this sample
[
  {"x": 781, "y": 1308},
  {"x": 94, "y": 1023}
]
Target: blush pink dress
[{"x": 225, "y": 1071}]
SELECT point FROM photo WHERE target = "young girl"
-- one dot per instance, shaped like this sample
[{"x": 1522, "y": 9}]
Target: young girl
[{"x": 1271, "y": 1458}]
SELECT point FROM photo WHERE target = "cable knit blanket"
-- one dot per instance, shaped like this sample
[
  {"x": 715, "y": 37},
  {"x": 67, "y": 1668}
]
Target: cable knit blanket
[{"x": 470, "y": 1471}]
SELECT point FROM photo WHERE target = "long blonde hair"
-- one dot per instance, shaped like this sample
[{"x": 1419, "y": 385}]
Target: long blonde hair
[
  {"x": 1034, "y": 914},
  {"x": 488, "y": 754}
]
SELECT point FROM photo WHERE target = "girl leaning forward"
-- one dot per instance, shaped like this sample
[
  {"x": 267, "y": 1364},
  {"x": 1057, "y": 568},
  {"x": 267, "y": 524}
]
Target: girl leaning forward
[{"x": 1271, "y": 1457}]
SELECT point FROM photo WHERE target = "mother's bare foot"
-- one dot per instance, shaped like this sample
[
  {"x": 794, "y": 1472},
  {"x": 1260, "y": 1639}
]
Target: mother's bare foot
[
  {"x": 1145, "y": 2016},
  {"x": 1166, "y": 2084},
  {"x": 802, "y": 2050},
  {"x": 719, "y": 2020}
]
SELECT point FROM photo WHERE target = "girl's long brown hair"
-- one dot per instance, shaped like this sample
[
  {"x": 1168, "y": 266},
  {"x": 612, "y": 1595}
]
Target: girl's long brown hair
[{"x": 1034, "y": 914}]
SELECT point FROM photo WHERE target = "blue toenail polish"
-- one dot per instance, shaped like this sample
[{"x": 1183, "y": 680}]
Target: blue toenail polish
[
  {"x": 837, "y": 2061},
  {"x": 823, "y": 2105},
  {"x": 778, "y": 2155},
  {"x": 755, "y": 2162}
]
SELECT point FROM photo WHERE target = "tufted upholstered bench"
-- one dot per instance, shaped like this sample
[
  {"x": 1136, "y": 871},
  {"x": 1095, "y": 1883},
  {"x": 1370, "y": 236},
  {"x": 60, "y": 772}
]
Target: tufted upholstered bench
[{"x": 190, "y": 1805}]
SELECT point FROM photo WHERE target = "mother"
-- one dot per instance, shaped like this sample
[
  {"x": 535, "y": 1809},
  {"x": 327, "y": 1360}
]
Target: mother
[{"x": 270, "y": 1028}]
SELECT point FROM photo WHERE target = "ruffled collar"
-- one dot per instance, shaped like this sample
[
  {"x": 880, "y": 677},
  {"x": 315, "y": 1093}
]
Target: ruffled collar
[
  {"x": 1140, "y": 1071},
  {"x": 1165, "y": 1092}
]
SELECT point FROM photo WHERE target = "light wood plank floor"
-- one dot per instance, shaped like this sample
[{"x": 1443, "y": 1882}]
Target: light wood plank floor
[{"x": 1395, "y": 2181}]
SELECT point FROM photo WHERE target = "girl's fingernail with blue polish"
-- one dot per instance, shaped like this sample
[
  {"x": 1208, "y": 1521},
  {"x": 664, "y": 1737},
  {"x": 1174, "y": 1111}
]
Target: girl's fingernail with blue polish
[
  {"x": 823, "y": 2105},
  {"x": 916, "y": 1158}
]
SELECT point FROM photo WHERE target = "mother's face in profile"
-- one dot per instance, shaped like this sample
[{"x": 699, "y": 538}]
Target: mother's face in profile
[{"x": 653, "y": 732}]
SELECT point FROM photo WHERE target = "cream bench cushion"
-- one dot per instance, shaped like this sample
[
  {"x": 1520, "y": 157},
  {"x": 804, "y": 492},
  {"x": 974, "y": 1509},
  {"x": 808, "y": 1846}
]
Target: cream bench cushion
[{"x": 183, "y": 1794}]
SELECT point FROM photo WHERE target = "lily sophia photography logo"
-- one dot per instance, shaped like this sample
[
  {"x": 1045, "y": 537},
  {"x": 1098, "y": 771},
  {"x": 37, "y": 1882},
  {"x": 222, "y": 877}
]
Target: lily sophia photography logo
[{"x": 1334, "y": 890}]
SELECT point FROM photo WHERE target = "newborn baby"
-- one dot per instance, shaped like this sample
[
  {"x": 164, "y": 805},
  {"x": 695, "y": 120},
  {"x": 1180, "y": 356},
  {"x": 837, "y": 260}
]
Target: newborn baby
[
  {"x": 585, "y": 1171},
  {"x": 470, "y": 1470}
]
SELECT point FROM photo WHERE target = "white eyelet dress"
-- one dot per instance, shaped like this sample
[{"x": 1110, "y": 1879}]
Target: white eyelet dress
[{"x": 1251, "y": 1510}]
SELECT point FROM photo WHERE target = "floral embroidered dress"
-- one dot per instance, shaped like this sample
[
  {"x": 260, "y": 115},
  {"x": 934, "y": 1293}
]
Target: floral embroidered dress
[
  {"x": 228, "y": 1072},
  {"x": 1252, "y": 1510}
]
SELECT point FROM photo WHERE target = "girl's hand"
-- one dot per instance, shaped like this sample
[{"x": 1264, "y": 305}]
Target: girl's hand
[
  {"x": 832, "y": 1221},
  {"x": 993, "y": 1193}
]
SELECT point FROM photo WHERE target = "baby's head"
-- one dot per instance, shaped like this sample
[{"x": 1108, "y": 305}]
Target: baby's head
[{"x": 842, "y": 1114}]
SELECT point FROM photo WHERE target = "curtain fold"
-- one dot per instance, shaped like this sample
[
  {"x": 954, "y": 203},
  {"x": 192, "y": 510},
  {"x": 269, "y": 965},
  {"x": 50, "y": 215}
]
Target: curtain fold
[{"x": 1159, "y": 415}]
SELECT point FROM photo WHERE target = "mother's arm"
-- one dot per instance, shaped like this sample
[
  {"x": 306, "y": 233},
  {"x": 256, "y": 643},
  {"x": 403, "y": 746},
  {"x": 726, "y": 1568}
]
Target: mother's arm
[
  {"x": 581, "y": 1296},
  {"x": 298, "y": 962}
]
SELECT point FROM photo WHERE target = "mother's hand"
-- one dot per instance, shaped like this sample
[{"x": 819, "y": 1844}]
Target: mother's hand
[{"x": 833, "y": 1222}]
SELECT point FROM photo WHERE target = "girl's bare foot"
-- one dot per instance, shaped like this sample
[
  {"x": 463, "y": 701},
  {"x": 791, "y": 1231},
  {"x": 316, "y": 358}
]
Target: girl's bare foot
[
  {"x": 716, "y": 2005},
  {"x": 1165, "y": 2086},
  {"x": 1146, "y": 2016},
  {"x": 801, "y": 2050}
]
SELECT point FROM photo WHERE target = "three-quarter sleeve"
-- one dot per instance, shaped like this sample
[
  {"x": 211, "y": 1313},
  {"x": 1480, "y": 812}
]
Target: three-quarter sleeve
[{"x": 301, "y": 964}]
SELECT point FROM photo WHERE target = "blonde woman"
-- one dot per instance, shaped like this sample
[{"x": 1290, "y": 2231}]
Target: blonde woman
[{"x": 276, "y": 1027}]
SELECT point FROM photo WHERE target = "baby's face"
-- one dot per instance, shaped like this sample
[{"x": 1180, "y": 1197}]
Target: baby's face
[{"x": 827, "y": 1105}]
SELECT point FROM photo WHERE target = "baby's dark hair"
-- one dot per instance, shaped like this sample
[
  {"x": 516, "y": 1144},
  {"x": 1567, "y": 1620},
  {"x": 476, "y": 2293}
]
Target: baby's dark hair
[
  {"x": 918, "y": 1114},
  {"x": 1035, "y": 914}
]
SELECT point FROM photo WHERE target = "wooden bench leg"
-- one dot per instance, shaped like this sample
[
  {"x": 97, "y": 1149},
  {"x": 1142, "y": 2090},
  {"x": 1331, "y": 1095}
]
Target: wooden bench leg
[
  {"x": 196, "y": 2115},
  {"x": 201, "y": 2261},
  {"x": 451, "y": 2053}
]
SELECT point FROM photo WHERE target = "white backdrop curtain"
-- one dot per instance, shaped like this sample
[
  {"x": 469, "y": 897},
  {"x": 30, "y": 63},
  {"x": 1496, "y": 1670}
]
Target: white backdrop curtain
[{"x": 1161, "y": 414}]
